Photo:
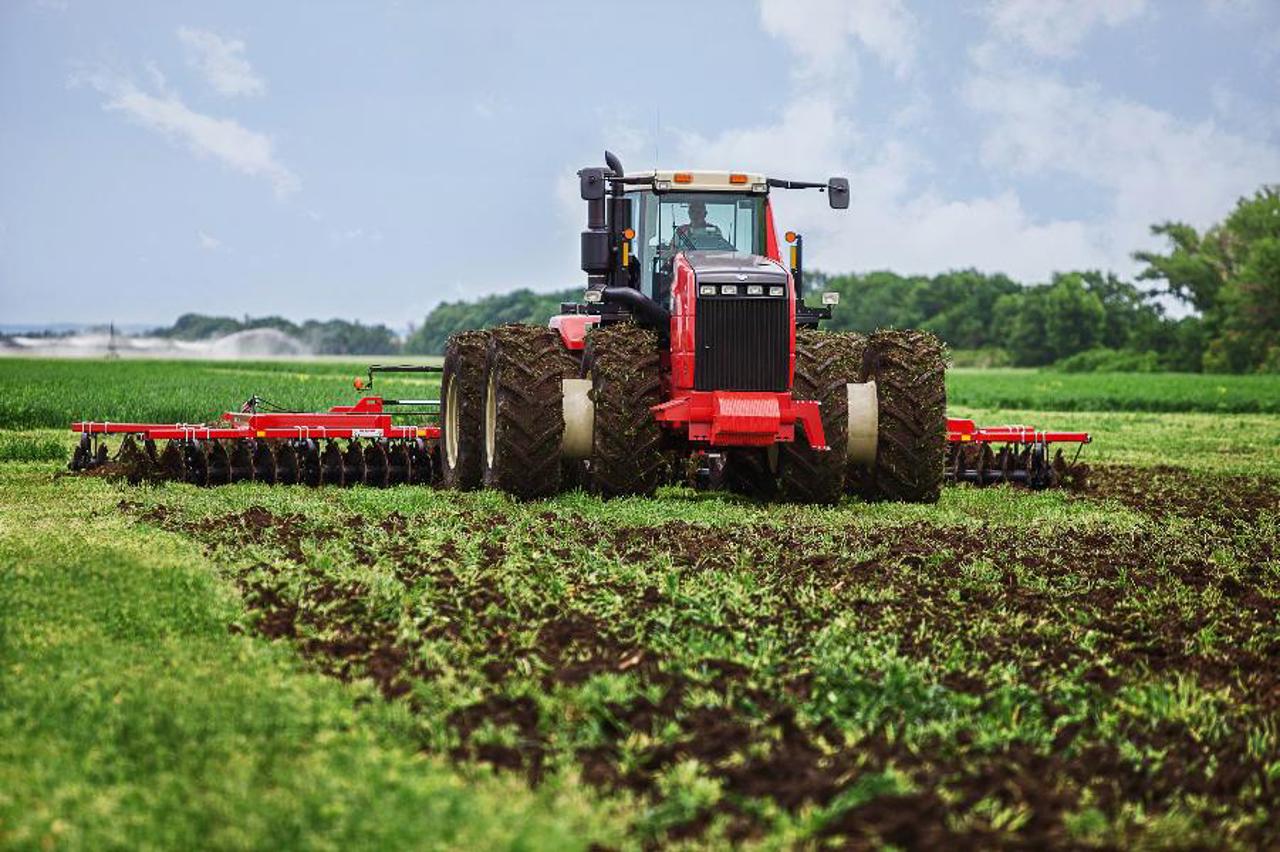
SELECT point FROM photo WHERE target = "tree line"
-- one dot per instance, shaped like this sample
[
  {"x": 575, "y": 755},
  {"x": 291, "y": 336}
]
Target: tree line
[
  {"x": 327, "y": 337},
  {"x": 1228, "y": 277}
]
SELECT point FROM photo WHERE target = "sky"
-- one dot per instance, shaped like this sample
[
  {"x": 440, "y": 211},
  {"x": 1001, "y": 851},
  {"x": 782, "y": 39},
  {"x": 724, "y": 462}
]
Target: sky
[{"x": 370, "y": 160}]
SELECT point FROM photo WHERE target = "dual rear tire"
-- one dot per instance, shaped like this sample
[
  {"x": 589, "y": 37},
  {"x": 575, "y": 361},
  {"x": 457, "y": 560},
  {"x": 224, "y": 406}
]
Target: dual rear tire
[
  {"x": 502, "y": 421},
  {"x": 909, "y": 372}
]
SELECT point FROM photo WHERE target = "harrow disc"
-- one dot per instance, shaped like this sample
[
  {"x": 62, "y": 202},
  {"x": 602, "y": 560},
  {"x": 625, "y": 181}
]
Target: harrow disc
[
  {"x": 286, "y": 464},
  {"x": 219, "y": 464},
  {"x": 331, "y": 467},
  {"x": 424, "y": 463},
  {"x": 264, "y": 463},
  {"x": 195, "y": 460},
  {"x": 353, "y": 464},
  {"x": 241, "y": 460},
  {"x": 308, "y": 462},
  {"x": 375, "y": 465},
  {"x": 399, "y": 463}
]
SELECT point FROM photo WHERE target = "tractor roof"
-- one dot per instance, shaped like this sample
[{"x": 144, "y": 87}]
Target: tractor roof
[{"x": 705, "y": 181}]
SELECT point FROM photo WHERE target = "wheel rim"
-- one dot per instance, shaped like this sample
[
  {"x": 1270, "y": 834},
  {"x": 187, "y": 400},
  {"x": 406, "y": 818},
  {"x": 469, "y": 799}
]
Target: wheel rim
[
  {"x": 490, "y": 416},
  {"x": 451, "y": 423}
]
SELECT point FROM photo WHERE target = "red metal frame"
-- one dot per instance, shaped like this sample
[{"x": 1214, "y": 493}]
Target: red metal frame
[
  {"x": 960, "y": 431},
  {"x": 741, "y": 418},
  {"x": 365, "y": 419},
  {"x": 573, "y": 329}
]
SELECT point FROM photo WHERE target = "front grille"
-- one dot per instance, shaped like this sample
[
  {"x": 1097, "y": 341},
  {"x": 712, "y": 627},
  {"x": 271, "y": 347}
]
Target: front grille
[{"x": 743, "y": 344}]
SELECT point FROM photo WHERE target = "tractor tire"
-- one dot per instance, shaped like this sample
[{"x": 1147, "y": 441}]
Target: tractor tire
[
  {"x": 909, "y": 369},
  {"x": 523, "y": 410},
  {"x": 825, "y": 362},
  {"x": 626, "y": 449},
  {"x": 462, "y": 415}
]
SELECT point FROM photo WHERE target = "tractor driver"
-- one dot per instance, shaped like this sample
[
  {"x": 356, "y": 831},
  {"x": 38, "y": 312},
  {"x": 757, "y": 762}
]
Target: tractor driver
[{"x": 698, "y": 233}]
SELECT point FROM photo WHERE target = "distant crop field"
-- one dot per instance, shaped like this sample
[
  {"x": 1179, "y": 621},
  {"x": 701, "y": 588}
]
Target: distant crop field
[
  {"x": 413, "y": 668},
  {"x": 50, "y": 393},
  {"x": 1158, "y": 392}
]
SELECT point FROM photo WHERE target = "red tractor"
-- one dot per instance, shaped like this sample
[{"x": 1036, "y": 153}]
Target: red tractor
[
  {"x": 694, "y": 354},
  {"x": 693, "y": 357}
]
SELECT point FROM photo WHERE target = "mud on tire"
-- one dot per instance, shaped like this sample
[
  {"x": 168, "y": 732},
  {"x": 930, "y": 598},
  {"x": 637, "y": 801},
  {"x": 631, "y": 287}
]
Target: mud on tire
[
  {"x": 523, "y": 410},
  {"x": 462, "y": 420},
  {"x": 825, "y": 362},
  {"x": 909, "y": 369},
  {"x": 626, "y": 453}
]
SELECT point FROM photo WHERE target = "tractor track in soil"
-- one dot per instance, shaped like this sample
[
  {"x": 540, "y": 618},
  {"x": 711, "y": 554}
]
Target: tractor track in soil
[{"x": 768, "y": 739}]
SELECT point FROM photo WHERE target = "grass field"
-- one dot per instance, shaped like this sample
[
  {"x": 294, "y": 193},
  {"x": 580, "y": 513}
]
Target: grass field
[{"x": 276, "y": 667}]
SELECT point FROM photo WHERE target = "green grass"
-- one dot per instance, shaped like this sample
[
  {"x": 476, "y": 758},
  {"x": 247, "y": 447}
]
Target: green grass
[
  {"x": 253, "y": 667},
  {"x": 132, "y": 717},
  {"x": 1007, "y": 388},
  {"x": 50, "y": 393}
]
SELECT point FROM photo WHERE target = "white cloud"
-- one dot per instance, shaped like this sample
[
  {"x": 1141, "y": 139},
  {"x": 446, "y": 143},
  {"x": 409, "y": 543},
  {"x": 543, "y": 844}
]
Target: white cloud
[
  {"x": 222, "y": 62},
  {"x": 1152, "y": 165},
  {"x": 224, "y": 139},
  {"x": 1055, "y": 28},
  {"x": 207, "y": 242},
  {"x": 895, "y": 220},
  {"x": 819, "y": 31}
]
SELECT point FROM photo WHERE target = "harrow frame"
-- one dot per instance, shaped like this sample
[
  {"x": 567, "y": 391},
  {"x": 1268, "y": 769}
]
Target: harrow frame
[{"x": 1023, "y": 457}]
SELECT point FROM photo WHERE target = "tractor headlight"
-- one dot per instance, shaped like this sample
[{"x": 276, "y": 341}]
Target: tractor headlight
[
  {"x": 777, "y": 290},
  {"x": 707, "y": 290},
  {"x": 831, "y": 298},
  {"x": 755, "y": 290},
  {"x": 728, "y": 289}
]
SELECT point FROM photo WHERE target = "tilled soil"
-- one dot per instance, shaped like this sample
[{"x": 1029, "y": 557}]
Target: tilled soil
[{"x": 918, "y": 684}]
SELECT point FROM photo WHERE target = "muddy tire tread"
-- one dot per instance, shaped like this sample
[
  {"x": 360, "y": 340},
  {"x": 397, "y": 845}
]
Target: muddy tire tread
[
  {"x": 528, "y": 363},
  {"x": 623, "y": 364},
  {"x": 909, "y": 368}
]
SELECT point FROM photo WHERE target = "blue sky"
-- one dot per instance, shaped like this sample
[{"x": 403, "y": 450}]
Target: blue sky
[{"x": 368, "y": 160}]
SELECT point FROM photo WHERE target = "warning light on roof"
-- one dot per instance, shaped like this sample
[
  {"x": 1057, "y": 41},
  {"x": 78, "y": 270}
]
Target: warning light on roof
[
  {"x": 735, "y": 178},
  {"x": 791, "y": 236},
  {"x": 359, "y": 384},
  {"x": 629, "y": 233},
  {"x": 682, "y": 177}
]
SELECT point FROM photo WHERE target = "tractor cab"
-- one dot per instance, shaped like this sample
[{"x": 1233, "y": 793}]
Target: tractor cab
[{"x": 697, "y": 212}]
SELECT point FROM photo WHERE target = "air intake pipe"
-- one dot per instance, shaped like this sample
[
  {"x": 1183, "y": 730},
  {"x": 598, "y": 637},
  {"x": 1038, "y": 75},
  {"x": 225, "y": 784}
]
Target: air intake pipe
[{"x": 641, "y": 306}]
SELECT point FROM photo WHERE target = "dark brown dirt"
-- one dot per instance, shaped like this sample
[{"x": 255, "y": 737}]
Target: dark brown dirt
[
  {"x": 1163, "y": 491},
  {"x": 766, "y": 736}
]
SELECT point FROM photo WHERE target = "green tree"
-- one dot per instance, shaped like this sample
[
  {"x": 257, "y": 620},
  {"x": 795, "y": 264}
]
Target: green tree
[
  {"x": 1231, "y": 275},
  {"x": 517, "y": 306},
  {"x": 1075, "y": 319}
]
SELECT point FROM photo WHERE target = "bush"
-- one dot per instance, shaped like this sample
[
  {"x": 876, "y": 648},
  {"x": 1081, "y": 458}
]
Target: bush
[
  {"x": 1104, "y": 360},
  {"x": 984, "y": 358}
]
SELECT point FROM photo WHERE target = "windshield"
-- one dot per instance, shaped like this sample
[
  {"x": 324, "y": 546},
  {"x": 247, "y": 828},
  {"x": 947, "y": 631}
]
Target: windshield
[{"x": 694, "y": 221}]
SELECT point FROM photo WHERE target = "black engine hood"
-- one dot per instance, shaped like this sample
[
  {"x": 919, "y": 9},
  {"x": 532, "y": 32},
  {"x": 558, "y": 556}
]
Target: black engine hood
[{"x": 728, "y": 267}]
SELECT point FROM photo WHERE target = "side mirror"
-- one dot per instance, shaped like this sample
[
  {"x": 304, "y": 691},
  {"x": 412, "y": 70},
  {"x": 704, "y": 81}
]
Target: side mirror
[
  {"x": 838, "y": 193},
  {"x": 591, "y": 184}
]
